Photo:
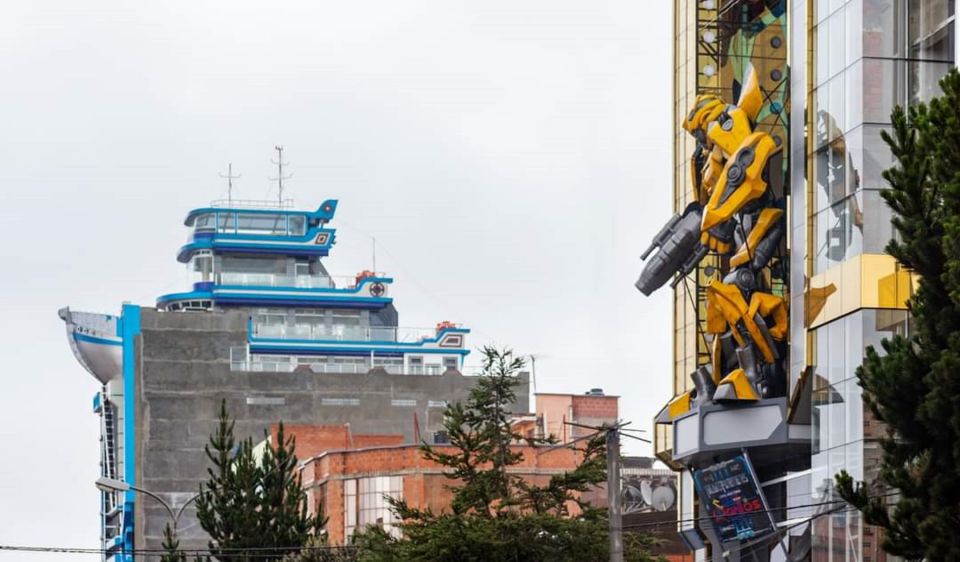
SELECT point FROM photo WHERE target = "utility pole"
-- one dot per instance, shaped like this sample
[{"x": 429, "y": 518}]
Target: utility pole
[
  {"x": 230, "y": 177},
  {"x": 613, "y": 494},
  {"x": 280, "y": 177}
]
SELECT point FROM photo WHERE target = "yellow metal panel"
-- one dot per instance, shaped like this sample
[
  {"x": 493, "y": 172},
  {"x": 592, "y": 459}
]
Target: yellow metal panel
[{"x": 864, "y": 281}]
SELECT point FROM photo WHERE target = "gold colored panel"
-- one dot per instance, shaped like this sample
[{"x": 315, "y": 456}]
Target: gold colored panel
[{"x": 865, "y": 281}]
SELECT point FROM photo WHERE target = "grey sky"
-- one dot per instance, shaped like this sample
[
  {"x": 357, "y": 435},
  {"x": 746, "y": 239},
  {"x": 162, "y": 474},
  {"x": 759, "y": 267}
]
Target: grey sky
[{"x": 511, "y": 158}]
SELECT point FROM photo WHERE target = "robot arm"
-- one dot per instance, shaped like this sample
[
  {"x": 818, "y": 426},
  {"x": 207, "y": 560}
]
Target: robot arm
[{"x": 679, "y": 250}]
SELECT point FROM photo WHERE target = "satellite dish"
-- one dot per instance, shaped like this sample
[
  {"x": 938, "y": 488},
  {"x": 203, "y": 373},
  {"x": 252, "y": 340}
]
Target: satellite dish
[
  {"x": 646, "y": 492},
  {"x": 632, "y": 493},
  {"x": 663, "y": 498}
]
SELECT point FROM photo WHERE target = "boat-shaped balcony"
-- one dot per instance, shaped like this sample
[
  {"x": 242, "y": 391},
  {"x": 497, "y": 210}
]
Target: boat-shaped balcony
[
  {"x": 259, "y": 231},
  {"x": 337, "y": 339},
  {"x": 369, "y": 291}
]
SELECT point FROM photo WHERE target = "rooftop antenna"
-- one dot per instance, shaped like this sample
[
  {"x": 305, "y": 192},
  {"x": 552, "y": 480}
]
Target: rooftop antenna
[
  {"x": 533, "y": 371},
  {"x": 230, "y": 177},
  {"x": 280, "y": 177}
]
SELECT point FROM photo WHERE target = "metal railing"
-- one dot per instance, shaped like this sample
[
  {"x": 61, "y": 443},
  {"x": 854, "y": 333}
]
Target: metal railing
[
  {"x": 240, "y": 361},
  {"x": 298, "y": 281},
  {"x": 328, "y": 332},
  {"x": 252, "y": 204}
]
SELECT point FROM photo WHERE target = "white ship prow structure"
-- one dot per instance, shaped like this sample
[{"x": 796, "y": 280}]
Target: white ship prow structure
[{"x": 96, "y": 343}]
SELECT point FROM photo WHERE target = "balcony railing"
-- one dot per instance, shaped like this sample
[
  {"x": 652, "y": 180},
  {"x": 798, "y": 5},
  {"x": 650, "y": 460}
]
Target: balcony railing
[
  {"x": 327, "y": 332},
  {"x": 240, "y": 360},
  {"x": 252, "y": 204},
  {"x": 298, "y": 281}
]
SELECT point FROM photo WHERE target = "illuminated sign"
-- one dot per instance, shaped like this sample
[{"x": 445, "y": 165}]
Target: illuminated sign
[{"x": 731, "y": 496}]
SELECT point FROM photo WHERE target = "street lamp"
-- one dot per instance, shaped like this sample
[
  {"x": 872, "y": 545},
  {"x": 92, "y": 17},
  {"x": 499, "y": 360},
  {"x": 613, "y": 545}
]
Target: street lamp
[{"x": 105, "y": 484}]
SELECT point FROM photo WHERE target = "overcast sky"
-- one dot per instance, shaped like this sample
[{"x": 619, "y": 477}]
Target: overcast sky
[{"x": 512, "y": 159}]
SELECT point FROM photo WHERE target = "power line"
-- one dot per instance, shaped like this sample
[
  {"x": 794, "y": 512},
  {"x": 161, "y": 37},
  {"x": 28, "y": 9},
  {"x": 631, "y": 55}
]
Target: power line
[
  {"x": 770, "y": 510},
  {"x": 264, "y": 552}
]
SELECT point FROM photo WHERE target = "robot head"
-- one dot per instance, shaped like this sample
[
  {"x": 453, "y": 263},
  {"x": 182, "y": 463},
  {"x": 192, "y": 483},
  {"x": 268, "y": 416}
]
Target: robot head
[{"x": 705, "y": 110}]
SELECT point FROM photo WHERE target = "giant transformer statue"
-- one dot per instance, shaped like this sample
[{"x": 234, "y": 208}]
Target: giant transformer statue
[{"x": 738, "y": 213}]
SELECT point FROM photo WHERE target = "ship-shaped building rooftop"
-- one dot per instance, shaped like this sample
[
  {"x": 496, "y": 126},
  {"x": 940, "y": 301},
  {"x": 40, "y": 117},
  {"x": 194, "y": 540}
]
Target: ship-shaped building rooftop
[{"x": 267, "y": 328}]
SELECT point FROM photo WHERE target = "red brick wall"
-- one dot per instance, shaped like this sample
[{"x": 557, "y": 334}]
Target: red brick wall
[
  {"x": 424, "y": 484},
  {"x": 598, "y": 407}
]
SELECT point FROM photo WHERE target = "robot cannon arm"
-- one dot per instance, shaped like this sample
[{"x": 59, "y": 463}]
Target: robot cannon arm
[{"x": 679, "y": 251}]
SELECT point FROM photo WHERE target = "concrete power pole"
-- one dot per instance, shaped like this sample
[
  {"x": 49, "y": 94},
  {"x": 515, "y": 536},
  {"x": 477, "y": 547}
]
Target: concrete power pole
[{"x": 613, "y": 495}]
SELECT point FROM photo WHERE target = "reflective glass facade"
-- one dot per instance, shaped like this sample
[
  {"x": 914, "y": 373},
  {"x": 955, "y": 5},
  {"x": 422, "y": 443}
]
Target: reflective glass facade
[
  {"x": 850, "y": 63},
  {"x": 864, "y": 57}
]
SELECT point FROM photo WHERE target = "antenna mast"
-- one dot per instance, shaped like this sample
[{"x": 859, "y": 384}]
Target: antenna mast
[
  {"x": 230, "y": 177},
  {"x": 280, "y": 177}
]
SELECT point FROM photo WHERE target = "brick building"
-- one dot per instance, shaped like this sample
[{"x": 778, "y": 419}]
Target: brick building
[
  {"x": 349, "y": 483},
  {"x": 556, "y": 414},
  {"x": 348, "y": 473}
]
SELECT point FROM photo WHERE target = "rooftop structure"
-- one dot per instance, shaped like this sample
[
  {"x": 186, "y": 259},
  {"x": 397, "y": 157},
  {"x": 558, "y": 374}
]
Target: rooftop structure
[{"x": 265, "y": 327}]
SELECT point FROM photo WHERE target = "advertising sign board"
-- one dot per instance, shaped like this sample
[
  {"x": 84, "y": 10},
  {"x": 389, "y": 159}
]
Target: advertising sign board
[{"x": 731, "y": 496}]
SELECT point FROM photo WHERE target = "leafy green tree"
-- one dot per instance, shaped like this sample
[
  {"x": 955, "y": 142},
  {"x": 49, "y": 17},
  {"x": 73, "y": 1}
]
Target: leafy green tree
[
  {"x": 496, "y": 516},
  {"x": 252, "y": 502},
  {"x": 913, "y": 387}
]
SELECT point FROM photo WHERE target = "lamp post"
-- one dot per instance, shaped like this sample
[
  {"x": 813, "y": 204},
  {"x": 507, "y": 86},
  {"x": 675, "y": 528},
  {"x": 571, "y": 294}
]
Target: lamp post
[{"x": 105, "y": 484}]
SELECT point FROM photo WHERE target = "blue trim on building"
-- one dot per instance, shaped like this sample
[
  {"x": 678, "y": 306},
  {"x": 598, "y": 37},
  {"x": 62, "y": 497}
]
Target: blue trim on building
[
  {"x": 324, "y": 212},
  {"x": 297, "y": 247},
  {"x": 93, "y": 339},
  {"x": 321, "y": 298},
  {"x": 385, "y": 351},
  {"x": 96, "y": 403},
  {"x": 131, "y": 329},
  {"x": 332, "y": 290}
]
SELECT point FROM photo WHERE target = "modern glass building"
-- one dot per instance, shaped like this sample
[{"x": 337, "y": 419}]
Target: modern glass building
[{"x": 830, "y": 72}]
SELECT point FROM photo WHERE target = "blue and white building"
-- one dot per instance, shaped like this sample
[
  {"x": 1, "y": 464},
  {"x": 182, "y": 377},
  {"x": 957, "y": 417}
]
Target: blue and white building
[{"x": 266, "y": 327}]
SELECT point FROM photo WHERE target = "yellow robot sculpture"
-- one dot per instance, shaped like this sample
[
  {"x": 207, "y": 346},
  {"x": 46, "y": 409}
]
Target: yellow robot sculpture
[{"x": 738, "y": 214}]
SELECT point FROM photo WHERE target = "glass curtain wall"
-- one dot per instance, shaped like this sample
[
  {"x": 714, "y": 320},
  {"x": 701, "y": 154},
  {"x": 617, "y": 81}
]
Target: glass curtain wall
[{"x": 867, "y": 57}]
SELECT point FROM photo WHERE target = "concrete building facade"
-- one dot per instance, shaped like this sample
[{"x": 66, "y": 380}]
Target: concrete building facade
[{"x": 267, "y": 330}]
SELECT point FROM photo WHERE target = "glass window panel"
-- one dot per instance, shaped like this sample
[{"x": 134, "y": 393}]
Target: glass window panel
[
  {"x": 830, "y": 167},
  {"x": 930, "y": 29},
  {"x": 854, "y": 30},
  {"x": 882, "y": 28},
  {"x": 824, "y": 118},
  {"x": 837, "y": 42},
  {"x": 298, "y": 225},
  {"x": 881, "y": 88},
  {"x": 877, "y": 228},
  {"x": 838, "y": 358},
  {"x": 853, "y": 334},
  {"x": 822, "y": 69},
  {"x": 837, "y": 108},
  {"x": 925, "y": 79},
  {"x": 262, "y": 223},
  {"x": 854, "y": 89},
  {"x": 823, "y": 9},
  {"x": 203, "y": 221},
  {"x": 869, "y": 157},
  {"x": 820, "y": 477},
  {"x": 852, "y": 396},
  {"x": 226, "y": 222}
]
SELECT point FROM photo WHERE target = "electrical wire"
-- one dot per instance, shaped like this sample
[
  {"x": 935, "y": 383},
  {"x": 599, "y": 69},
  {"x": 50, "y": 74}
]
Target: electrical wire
[
  {"x": 767, "y": 510},
  {"x": 270, "y": 552}
]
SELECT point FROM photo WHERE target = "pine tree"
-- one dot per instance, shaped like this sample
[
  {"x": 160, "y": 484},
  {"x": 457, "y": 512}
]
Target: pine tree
[
  {"x": 171, "y": 547},
  {"x": 913, "y": 387},
  {"x": 496, "y": 516},
  {"x": 253, "y": 503}
]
